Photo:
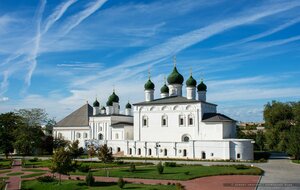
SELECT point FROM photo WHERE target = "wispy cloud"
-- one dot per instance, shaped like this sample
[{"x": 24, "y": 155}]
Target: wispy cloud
[
  {"x": 76, "y": 19},
  {"x": 4, "y": 99}
]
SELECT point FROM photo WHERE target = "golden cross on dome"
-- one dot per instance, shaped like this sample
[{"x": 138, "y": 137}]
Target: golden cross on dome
[
  {"x": 165, "y": 79},
  {"x": 191, "y": 71},
  {"x": 114, "y": 88}
]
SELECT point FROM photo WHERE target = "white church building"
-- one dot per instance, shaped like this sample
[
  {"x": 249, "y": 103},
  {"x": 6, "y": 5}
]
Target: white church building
[{"x": 171, "y": 126}]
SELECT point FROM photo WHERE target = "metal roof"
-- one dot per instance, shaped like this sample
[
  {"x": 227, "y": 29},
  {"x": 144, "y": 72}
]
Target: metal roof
[{"x": 215, "y": 117}]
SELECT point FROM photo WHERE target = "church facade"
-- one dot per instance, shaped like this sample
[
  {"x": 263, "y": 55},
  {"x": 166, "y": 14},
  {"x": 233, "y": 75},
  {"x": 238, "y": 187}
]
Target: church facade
[{"x": 171, "y": 126}]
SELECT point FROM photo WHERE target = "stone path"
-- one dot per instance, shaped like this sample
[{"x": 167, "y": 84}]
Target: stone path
[
  {"x": 280, "y": 173},
  {"x": 14, "y": 182}
]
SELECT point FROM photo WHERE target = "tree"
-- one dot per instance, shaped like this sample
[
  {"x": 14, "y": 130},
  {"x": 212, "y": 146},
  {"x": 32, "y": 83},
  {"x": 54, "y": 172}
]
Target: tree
[
  {"x": 60, "y": 143},
  {"x": 61, "y": 163},
  {"x": 160, "y": 168},
  {"x": 294, "y": 142},
  {"x": 9, "y": 122},
  {"x": 104, "y": 154},
  {"x": 33, "y": 117},
  {"x": 28, "y": 139},
  {"x": 89, "y": 179},
  {"x": 121, "y": 182},
  {"x": 91, "y": 151},
  {"x": 260, "y": 140},
  {"x": 47, "y": 144},
  {"x": 74, "y": 149}
]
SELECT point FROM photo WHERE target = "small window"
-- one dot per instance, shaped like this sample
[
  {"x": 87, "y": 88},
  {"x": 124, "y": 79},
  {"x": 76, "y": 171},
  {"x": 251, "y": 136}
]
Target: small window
[
  {"x": 59, "y": 135},
  {"x": 165, "y": 152},
  {"x": 118, "y": 149},
  {"x": 85, "y": 135},
  {"x": 203, "y": 155},
  {"x": 181, "y": 121},
  {"x": 184, "y": 152},
  {"x": 238, "y": 156},
  {"x": 186, "y": 139},
  {"x": 149, "y": 152},
  {"x": 100, "y": 136},
  {"x": 145, "y": 121},
  {"x": 139, "y": 151},
  {"x": 117, "y": 136},
  {"x": 100, "y": 128},
  {"x": 78, "y": 135},
  {"x": 212, "y": 154},
  {"x": 164, "y": 121},
  {"x": 191, "y": 121},
  {"x": 130, "y": 151}
]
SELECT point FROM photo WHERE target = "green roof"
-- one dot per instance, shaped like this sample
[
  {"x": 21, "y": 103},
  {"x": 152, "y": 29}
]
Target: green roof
[
  {"x": 113, "y": 98},
  {"x": 96, "y": 103},
  {"x": 109, "y": 103},
  {"x": 128, "y": 105},
  {"x": 202, "y": 86},
  {"x": 191, "y": 82},
  {"x": 149, "y": 85},
  {"x": 175, "y": 77},
  {"x": 164, "y": 89}
]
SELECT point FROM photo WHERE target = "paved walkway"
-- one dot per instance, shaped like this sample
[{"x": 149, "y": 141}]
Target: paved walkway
[
  {"x": 279, "y": 173},
  {"x": 14, "y": 182}
]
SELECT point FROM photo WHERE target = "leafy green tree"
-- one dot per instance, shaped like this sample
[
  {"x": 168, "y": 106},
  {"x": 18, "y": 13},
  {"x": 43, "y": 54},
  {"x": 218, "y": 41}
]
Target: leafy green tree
[
  {"x": 28, "y": 139},
  {"x": 9, "y": 122},
  {"x": 61, "y": 162},
  {"x": 60, "y": 143},
  {"x": 160, "y": 168},
  {"x": 74, "y": 149},
  {"x": 33, "y": 117},
  {"x": 260, "y": 140},
  {"x": 104, "y": 154},
  {"x": 91, "y": 151},
  {"x": 294, "y": 142},
  {"x": 121, "y": 182},
  {"x": 89, "y": 179}
]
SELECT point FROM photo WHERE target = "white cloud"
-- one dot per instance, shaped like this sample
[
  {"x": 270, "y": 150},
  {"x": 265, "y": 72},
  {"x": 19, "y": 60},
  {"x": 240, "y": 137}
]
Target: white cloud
[{"x": 4, "y": 99}]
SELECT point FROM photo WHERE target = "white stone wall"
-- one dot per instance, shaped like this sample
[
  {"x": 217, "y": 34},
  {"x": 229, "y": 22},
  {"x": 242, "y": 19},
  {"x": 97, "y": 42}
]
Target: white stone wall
[{"x": 72, "y": 133}]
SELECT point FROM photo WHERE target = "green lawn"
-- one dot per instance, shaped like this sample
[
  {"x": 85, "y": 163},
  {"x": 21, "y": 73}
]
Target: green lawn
[
  {"x": 2, "y": 185},
  {"x": 35, "y": 164},
  {"x": 5, "y": 163},
  {"x": 33, "y": 175},
  {"x": 33, "y": 170},
  {"x": 296, "y": 161},
  {"x": 184, "y": 172},
  {"x": 95, "y": 165},
  {"x": 4, "y": 171},
  {"x": 15, "y": 174},
  {"x": 78, "y": 185}
]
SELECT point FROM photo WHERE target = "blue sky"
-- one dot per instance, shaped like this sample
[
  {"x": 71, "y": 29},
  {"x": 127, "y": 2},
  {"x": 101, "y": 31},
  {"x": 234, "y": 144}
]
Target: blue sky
[{"x": 57, "y": 55}]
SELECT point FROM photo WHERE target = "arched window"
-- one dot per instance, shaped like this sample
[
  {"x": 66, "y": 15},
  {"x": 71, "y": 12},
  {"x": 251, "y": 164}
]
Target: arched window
[
  {"x": 139, "y": 151},
  {"x": 184, "y": 152},
  {"x": 145, "y": 121},
  {"x": 100, "y": 136},
  {"x": 85, "y": 135},
  {"x": 165, "y": 152},
  {"x": 118, "y": 149},
  {"x": 78, "y": 135},
  {"x": 238, "y": 156},
  {"x": 130, "y": 151},
  {"x": 59, "y": 135},
  {"x": 149, "y": 152},
  {"x": 181, "y": 120},
  {"x": 191, "y": 120},
  {"x": 164, "y": 121},
  {"x": 203, "y": 155}
]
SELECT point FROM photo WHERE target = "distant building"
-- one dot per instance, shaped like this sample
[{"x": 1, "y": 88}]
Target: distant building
[{"x": 171, "y": 126}]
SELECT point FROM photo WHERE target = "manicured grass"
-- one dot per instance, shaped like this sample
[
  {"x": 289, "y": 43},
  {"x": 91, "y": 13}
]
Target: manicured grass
[
  {"x": 15, "y": 174},
  {"x": 4, "y": 171},
  {"x": 95, "y": 165},
  {"x": 36, "y": 164},
  {"x": 33, "y": 175},
  {"x": 5, "y": 163},
  {"x": 2, "y": 185},
  {"x": 33, "y": 170},
  {"x": 78, "y": 185},
  {"x": 296, "y": 161},
  {"x": 184, "y": 172}
]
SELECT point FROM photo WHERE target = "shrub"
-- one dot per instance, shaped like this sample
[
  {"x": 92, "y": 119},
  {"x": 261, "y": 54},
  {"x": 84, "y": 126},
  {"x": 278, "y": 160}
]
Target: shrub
[
  {"x": 89, "y": 179},
  {"x": 179, "y": 186},
  {"x": 160, "y": 168},
  {"x": 241, "y": 167},
  {"x": 35, "y": 159},
  {"x": 132, "y": 167},
  {"x": 187, "y": 173},
  {"x": 121, "y": 182},
  {"x": 170, "y": 164},
  {"x": 84, "y": 168},
  {"x": 77, "y": 178},
  {"x": 119, "y": 162},
  {"x": 46, "y": 179}
]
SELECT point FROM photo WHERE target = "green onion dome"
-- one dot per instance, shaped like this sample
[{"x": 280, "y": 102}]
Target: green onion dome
[
  {"x": 191, "y": 82},
  {"x": 96, "y": 103},
  {"x": 113, "y": 98},
  {"x": 202, "y": 86},
  {"x": 149, "y": 85},
  {"x": 175, "y": 77},
  {"x": 103, "y": 108},
  {"x": 109, "y": 103},
  {"x": 128, "y": 106},
  {"x": 164, "y": 89}
]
